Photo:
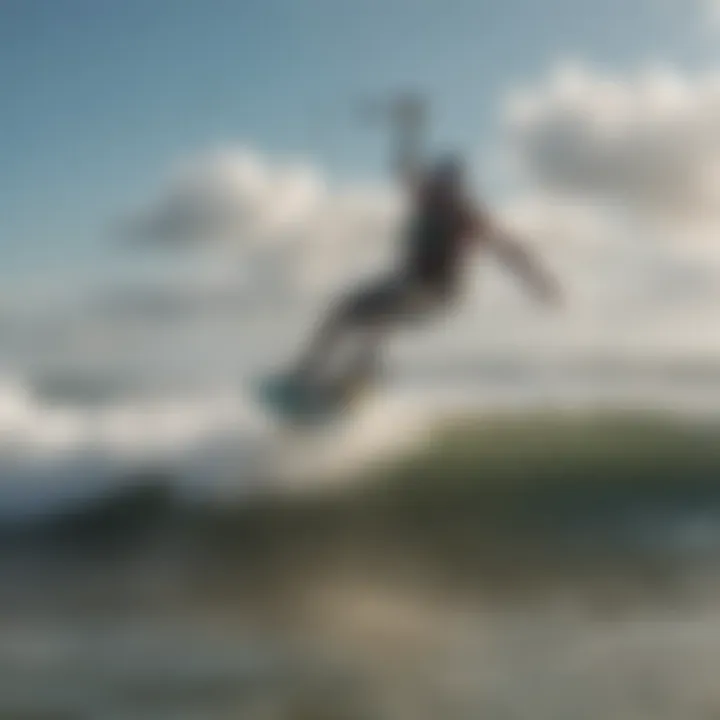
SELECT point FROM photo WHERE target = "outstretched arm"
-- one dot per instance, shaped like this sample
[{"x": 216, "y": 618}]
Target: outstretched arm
[
  {"x": 524, "y": 264},
  {"x": 408, "y": 116}
]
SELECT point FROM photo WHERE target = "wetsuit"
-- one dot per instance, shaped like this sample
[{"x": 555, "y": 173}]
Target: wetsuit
[{"x": 435, "y": 244}]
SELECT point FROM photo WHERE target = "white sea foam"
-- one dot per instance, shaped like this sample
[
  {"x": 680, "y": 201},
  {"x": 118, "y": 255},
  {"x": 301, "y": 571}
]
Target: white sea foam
[{"x": 219, "y": 443}]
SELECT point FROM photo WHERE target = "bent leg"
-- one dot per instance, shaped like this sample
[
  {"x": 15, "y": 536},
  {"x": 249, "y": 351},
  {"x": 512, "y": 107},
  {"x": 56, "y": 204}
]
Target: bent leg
[{"x": 367, "y": 313}]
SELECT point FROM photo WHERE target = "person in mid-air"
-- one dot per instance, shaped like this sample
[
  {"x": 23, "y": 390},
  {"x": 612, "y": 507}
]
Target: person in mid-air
[{"x": 445, "y": 226}]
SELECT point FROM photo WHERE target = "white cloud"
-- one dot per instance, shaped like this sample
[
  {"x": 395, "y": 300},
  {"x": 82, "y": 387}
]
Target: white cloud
[
  {"x": 648, "y": 143},
  {"x": 620, "y": 184},
  {"x": 285, "y": 220},
  {"x": 711, "y": 12},
  {"x": 230, "y": 196}
]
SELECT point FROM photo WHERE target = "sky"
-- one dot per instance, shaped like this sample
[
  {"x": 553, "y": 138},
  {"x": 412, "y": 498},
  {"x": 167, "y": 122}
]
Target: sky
[
  {"x": 184, "y": 184},
  {"x": 206, "y": 162},
  {"x": 100, "y": 98}
]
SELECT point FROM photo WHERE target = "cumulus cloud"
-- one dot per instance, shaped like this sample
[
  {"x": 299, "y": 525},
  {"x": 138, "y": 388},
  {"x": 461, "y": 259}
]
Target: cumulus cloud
[
  {"x": 711, "y": 12},
  {"x": 619, "y": 183},
  {"x": 285, "y": 220},
  {"x": 230, "y": 196},
  {"x": 647, "y": 143}
]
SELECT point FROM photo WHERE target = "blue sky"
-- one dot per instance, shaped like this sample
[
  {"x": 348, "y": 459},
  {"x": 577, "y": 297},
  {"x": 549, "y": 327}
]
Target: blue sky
[{"x": 101, "y": 97}]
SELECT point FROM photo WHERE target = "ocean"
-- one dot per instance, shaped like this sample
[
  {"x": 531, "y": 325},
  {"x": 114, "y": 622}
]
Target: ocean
[{"x": 178, "y": 556}]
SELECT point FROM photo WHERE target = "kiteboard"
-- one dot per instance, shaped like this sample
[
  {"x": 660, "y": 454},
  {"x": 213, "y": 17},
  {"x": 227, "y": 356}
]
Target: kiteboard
[{"x": 295, "y": 402}]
